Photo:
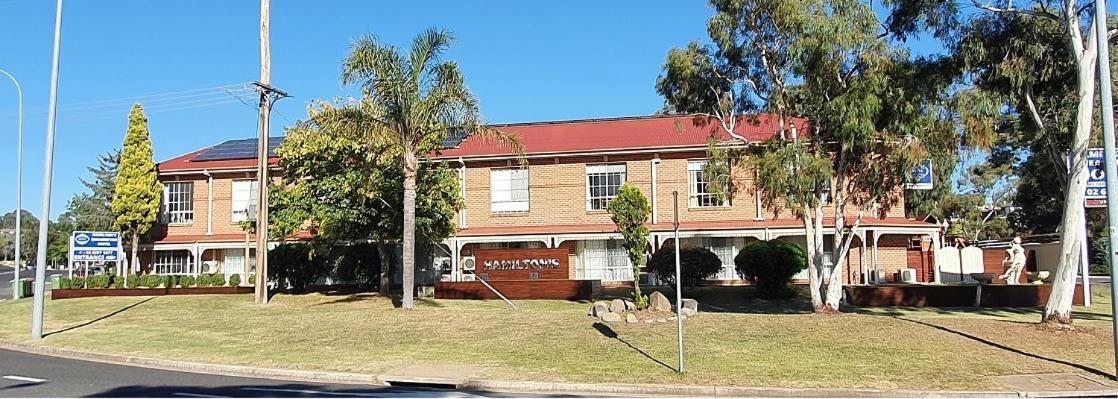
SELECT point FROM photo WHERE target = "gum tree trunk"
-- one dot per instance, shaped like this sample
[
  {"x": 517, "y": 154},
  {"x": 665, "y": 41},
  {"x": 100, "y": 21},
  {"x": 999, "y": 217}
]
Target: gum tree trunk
[
  {"x": 410, "y": 166},
  {"x": 385, "y": 268}
]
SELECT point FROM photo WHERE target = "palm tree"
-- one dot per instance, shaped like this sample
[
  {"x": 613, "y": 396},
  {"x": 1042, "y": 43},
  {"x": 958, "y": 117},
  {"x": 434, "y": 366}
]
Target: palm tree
[{"x": 410, "y": 104}]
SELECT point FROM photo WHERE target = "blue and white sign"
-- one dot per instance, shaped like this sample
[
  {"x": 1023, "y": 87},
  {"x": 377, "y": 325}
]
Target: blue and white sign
[
  {"x": 1096, "y": 174},
  {"x": 921, "y": 178},
  {"x": 102, "y": 246}
]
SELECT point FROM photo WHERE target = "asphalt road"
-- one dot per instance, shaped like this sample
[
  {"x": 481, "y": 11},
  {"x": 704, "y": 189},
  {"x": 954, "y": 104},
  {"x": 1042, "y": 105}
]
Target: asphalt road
[
  {"x": 6, "y": 279},
  {"x": 27, "y": 375}
]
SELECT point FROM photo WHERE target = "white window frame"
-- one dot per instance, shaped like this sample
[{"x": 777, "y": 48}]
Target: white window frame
[
  {"x": 509, "y": 190},
  {"x": 173, "y": 262},
  {"x": 726, "y": 248},
  {"x": 600, "y": 202},
  {"x": 605, "y": 260},
  {"x": 241, "y": 207},
  {"x": 698, "y": 187},
  {"x": 178, "y": 202}
]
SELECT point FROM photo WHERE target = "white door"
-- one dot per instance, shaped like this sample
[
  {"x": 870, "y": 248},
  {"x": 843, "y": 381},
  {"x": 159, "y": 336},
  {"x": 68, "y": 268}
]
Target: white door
[{"x": 234, "y": 263}]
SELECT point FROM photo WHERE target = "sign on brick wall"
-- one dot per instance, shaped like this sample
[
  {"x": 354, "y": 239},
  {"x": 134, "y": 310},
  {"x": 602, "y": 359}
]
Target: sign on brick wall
[{"x": 522, "y": 263}]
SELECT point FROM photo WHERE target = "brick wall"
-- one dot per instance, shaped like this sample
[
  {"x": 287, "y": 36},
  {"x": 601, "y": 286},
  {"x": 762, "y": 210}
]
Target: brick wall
[{"x": 222, "y": 203}]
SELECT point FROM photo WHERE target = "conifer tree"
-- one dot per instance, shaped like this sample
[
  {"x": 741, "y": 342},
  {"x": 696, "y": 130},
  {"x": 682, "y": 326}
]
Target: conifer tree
[{"x": 136, "y": 194}]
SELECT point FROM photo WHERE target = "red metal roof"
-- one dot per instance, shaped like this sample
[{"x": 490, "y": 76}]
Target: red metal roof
[
  {"x": 186, "y": 162},
  {"x": 646, "y": 132}
]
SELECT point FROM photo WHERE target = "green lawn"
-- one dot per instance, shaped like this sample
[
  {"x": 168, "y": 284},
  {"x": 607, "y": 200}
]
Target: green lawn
[{"x": 743, "y": 342}]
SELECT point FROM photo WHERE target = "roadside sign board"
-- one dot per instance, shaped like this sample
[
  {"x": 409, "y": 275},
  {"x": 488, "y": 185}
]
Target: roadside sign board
[
  {"x": 921, "y": 178},
  {"x": 1095, "y": 195},
  {"x": 101, "y": 246}
]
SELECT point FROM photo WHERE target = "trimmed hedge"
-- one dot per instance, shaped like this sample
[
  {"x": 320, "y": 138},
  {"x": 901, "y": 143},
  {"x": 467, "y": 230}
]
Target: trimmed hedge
[
  {"x": 186, "y": 281},
  {"x": 771, "y": 265},
  {"x": 695, "y": 263},
  {"x": 234, "y": 280}
]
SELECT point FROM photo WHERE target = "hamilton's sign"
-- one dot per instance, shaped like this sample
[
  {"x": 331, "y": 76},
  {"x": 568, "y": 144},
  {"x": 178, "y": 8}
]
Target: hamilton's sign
[{"x": 522, "y": 263}]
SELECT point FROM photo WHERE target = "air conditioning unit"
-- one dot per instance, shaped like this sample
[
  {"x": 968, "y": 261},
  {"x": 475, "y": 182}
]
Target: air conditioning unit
[
  {"x": 908, "y": 275},
  {"x": 468, "y": 263},
  {"x": 446, "y": 278},
  {"x": 209, "y": 266},
  {"x": 469, "y": 277}
]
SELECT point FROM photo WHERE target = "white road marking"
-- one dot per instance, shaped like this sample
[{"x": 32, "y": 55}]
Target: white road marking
[
  {"x": 375, "y": 394},
  {"x": 196, "y": 395},
  {"x": 24, "y": 379}
]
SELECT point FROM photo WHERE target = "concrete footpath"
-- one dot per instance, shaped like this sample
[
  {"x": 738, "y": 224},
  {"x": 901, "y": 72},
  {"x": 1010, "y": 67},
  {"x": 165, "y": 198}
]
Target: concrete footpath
[{"x": 528, "y": 386}]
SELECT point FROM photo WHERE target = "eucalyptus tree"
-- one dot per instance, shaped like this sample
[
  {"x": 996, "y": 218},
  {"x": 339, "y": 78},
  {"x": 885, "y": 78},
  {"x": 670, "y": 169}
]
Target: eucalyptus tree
[
  {"x": 1035, "y": 62},
  {"x": 866, "y": 123},
  {"x": 411, "y": 102}
]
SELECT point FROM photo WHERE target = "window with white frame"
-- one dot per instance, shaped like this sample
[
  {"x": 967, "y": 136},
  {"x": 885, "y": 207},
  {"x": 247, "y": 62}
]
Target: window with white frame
[
  {"x": 726, "y": 248},
  {"x": 604, "y": 260},
  {"x": 178, "y": 202},
  {"x": 173, "y": 262},
  {"x": 698, "y": 187},
  {"x": 508, "y": 190},
  {"x": 244, "y": 199},
  {"x": 602, "y": 185}
]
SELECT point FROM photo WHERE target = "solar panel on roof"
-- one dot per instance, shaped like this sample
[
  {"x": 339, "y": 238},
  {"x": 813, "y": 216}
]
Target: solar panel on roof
[
  {"x": 237, "y": 149},
  {"x": 454, "y": 138}
]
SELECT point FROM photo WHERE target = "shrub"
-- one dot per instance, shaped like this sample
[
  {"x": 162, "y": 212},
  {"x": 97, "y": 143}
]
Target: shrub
[
  {"x": 695, "y": 263},
  {"x": 77, "y": 283},
  {"x": 186, "y": 281},
  {"x": 98, "y": 281},
  {"x": 168, "y": 281},
  {"x": 770, "y": 265},
  {"x": 133, "y": 281},
  {"x": 252, "y": 279},
  {"x": 118, "y": 282},
  {"x": 203, "y": 280},
  {"x": 217, "y": 280},
  {"x": 151, "y": 281},
  {"x": 359, "y": 263},
  {"x": 234, "y": 280},
  {"x": 65, "y": 283},
  {"x": 296, "y": 265}
]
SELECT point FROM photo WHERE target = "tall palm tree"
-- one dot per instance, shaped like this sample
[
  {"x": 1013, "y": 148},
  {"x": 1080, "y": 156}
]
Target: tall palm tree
[{"x": 411, "y": 103}]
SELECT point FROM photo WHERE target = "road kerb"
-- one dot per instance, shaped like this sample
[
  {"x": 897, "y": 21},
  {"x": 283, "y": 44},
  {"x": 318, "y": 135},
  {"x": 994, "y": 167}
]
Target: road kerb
[{"x": 528, "y": 386}]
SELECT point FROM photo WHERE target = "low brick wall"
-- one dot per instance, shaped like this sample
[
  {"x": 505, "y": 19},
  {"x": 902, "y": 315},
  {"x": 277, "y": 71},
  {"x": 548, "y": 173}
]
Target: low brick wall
[
  {"x": 520, "y": 289},
  {"x": 92, "y": 292},
  {"x": 996, "y": 295}
]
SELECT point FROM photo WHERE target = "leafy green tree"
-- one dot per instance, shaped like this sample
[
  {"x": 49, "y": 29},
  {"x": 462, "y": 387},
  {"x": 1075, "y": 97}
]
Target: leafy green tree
[
  {"x": 411, "y": 102},
  {"x": 350, "y": 189},
  {"x": 136, "y": 191},
  {"x": 826, "y": 61},
  {"x": 695, "y": 264},
  {"x": 984, "y": 197},
  {"x": 93, "y": 210},
  {"x": 30, "y": 231},
  {"x": 630, "y": 211},
  {"x": 771, "y": 265}
]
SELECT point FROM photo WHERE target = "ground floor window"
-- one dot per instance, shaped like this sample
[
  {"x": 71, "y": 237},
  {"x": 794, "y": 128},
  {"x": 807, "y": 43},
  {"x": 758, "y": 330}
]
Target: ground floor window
[
  {"x": 726, "y": 248},
  {"x": 173, "y": 262},
  {"x": 603, "y": 260}
]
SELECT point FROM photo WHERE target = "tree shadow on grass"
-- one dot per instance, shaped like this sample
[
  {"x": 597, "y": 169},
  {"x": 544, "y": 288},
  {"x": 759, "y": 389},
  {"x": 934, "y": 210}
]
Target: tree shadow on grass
[
  {"x": 609, "y": 333},
  {"x": 1007, "y": 348},
  {"x": 114, "y": 313}
]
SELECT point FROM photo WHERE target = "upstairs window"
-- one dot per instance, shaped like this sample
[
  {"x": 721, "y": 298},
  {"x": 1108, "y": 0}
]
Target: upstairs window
[
  {"x": 244, "y": 199},
  {"x": 508, "y": 190},
  {"x": 698, "y": 187},
  {"x": 602, "y": 184},
  {"x": 178, "y": 202}
]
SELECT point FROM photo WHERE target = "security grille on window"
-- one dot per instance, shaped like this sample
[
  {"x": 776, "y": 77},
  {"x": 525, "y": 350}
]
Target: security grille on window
[
  {"x": 602, "y": 184},
  {"x": 173, "y": 262},
  {"x": 244, "y": 199},
  {"x": 178, "y": 202},
  {"x": 604, "y": 260},
  {"x": 508, "y": 190},
  {"x": 700, "y": 195}
]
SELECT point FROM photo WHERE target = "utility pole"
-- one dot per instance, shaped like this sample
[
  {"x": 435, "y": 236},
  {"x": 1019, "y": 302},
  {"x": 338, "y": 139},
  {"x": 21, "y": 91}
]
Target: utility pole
[
  {"x": 1107, "y": 114},
  {"x": 678, "y": 279},
  {"x": 268, "y": 96},
  {"x": 44, "y": 217}
]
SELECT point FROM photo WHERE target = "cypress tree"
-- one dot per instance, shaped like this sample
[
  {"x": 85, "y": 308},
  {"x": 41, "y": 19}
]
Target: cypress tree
[{"x": 136, "y": 193}]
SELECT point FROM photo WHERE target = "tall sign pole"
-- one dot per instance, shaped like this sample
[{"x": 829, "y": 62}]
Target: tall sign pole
[
  {"x": 19, "y": 176},
  {"x": 678, "y": 280},
  {"x": 44, "y": 216},
  {"x": 1107, "y": 114}
]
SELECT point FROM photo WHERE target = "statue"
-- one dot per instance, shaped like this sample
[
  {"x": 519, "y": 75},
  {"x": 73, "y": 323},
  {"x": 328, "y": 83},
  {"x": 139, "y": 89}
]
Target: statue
[{"x": 1014, "y": 262}]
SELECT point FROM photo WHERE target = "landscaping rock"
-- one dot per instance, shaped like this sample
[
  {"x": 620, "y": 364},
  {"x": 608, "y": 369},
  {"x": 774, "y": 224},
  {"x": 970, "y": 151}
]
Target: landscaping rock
[
  {"x": 691, "y": 304},
  {"x": 657, "y": 302},
  {"x": 610, "y": 317},
  {"x": 599, "y": 309},
  {"x": 617, "y": 306},
  {"x": 630, "y": 318},
  {"x": 687, "y": 312},
  {"x": 661, "y": 320},
  {"x": 630, "y": 306}
]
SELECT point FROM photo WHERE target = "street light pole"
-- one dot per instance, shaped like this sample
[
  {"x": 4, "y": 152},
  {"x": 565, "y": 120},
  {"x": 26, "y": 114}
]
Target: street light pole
[
  {"x": 19, "y": 176},
  {"x": 1107, "y": 116},
  {"x": 678, "y": 280},
  {"x": 44, "y": 216}
]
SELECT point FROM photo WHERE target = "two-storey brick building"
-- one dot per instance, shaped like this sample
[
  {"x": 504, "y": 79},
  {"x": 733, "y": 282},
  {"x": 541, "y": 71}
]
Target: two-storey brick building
[{"x": 556, "y": 199}]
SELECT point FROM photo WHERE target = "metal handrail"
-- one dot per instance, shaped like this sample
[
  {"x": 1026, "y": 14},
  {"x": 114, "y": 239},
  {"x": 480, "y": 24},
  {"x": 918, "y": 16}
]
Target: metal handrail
[{"x": 486, "y": 283}]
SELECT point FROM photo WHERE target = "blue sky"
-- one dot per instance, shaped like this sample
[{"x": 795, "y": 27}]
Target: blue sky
[{"x": 526, "y": 61}]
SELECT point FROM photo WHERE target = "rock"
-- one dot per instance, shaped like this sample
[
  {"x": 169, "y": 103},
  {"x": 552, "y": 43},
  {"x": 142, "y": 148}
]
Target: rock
[
  {"x": 687, "y": 312},
  {"x": 661, "y": 320},
  {"x": 691, "y": 304},
  {"x": 598, "y": 309},
  {"x": 610, "y": 317},
  {"x": 630, "y": 306},
  {"x": 630, "y": 318},
  {"x": 657, "y": 302},
  {"x": 617, "y": 306},
  {"x": 649, "y": 321}
]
